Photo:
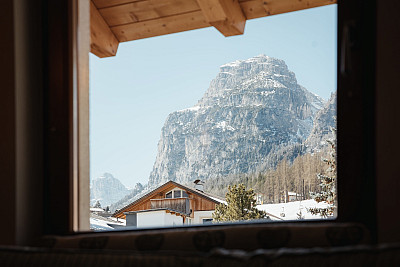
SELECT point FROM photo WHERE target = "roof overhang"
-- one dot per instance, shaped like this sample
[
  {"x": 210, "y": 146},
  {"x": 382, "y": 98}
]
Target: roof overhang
[{"x": 116, "y": 21}]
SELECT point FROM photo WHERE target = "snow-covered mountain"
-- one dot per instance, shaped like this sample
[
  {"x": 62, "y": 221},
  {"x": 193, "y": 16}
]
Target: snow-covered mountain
[
  {"x": 138, "y": 191},
  {"x": 107, "y": 190},
  {"x": 324, "y": 122},
  {"x": 253, "y": 115},
  {"x": 251, "y": 108}
]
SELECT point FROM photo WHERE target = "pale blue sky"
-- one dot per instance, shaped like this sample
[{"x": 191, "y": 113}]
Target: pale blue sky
[{"x": 132, "y": 93}]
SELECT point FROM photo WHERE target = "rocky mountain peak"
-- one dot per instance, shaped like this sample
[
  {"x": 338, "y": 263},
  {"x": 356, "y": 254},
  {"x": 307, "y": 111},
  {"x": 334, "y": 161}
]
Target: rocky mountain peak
[
  {"x": 107, "y": 190},
  {"x": 258, "y": 76},
  {"x": 251, "y": 108}
]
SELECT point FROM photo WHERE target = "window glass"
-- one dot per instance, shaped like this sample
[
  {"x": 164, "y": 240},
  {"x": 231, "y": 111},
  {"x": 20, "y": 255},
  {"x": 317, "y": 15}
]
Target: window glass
[
  {"x": 250, "y": 117},
  {"x": 177, "y": 193}
]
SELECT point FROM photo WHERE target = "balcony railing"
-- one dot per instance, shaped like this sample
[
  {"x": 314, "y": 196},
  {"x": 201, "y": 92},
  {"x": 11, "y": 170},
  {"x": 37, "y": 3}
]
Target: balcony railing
[{"x": 180, "y": 205}]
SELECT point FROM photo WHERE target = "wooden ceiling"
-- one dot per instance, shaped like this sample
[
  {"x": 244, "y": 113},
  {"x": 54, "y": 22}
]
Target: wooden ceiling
[{"x": 115, "y": 21}]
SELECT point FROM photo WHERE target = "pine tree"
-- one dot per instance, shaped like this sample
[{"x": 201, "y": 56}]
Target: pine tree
[
  {"x": 97, "y": 205},
  {"x": 327, "y": 184},
  {"x": 241, "y": 205},
  {"x": 300, "y": 215}
]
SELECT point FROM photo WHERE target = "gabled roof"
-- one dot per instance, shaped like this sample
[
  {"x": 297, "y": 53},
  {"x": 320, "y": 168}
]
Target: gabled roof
[{"x": 210, "y": 197}]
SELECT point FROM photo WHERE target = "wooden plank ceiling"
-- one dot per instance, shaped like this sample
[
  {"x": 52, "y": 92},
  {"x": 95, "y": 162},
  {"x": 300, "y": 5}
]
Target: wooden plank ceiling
[{"x": 115, "y": 21}]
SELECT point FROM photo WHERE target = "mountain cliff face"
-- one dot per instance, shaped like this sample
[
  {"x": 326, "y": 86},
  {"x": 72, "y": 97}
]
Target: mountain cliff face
[
  {"x": 324, "y": 122},
  {"x": 251, "y": 108},
  {"x": 138, "y": 191},
  {"x": 107, "y": 190}
]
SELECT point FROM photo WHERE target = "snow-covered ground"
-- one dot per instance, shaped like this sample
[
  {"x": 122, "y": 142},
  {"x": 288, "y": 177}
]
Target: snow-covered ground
[
  {"x": 98, "y": 223},
  {"x": 291, "y": 209}
]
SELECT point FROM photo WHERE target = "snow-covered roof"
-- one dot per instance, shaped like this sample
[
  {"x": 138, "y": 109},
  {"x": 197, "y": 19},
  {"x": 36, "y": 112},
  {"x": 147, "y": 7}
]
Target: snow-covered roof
[
  {"x": 98, "y": 223},
  {"x": 217, "y": 199},
  {"x": 96, "y": 210}
]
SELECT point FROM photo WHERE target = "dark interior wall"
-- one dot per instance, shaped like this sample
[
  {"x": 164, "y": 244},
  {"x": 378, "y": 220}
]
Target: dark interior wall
[
  {"x": 388, "y": 119},
  {"x": 21, "y": 120},
  {"x": 7, "y": 120},
  {"x": 28, "y": 48}
]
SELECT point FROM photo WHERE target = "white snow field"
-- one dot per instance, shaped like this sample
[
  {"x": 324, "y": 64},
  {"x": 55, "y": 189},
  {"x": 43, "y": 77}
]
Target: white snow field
[{"x": 291, "y": 209}]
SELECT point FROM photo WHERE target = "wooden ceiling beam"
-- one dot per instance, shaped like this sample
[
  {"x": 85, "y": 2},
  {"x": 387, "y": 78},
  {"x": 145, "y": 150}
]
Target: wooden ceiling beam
[
  {"x": 225, "y": 15},
  {"x": 146, "y": 10},
  {"x": 103, "y": 42},
  {"x": 156, "y": 27},
  {"x": 228, "y": 16},
  {"x": 108, "y": 3},
  {"x": 284, "y": 6}
]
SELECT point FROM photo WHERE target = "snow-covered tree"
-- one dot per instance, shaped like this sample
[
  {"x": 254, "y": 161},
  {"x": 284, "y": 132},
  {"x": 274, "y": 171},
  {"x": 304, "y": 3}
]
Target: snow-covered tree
[
  {"x": 97, "y": 205},
  {"x": 241, "y": 205},
  {"x": 327, "y": 184}
]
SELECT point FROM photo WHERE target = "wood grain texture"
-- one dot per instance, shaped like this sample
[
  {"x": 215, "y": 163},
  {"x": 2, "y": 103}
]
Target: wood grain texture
[
  {"x": 284, "y": 6},
  {"x": 146, "y": 10},
  {"x": 225, "y": 15},
  {"x": 103, "y": 43},
  {"x": 161, "y": 26},
  {"x": 109, "y": 3},
  {"x": 83, "y": 48},
  {"x": 138, "y": 19},
  {"x": 253, "y": 9},
  {"x": 196, "y": 19}
]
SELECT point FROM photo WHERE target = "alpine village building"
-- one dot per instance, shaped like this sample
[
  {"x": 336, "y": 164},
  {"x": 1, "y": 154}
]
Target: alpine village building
[{"x": 170, "y": 204}]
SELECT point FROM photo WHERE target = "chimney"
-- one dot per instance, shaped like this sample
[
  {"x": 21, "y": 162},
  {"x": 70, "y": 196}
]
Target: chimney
[{"x": 199, "y": 185}]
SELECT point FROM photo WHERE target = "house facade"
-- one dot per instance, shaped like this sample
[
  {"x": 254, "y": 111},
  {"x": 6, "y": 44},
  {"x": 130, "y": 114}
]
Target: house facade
[
  {"x": 170, "y": 204},
  {"x": 293, "y": 196}
]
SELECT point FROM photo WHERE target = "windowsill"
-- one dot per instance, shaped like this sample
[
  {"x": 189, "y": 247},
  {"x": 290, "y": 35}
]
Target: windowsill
[{"x": 246, "y": 236}]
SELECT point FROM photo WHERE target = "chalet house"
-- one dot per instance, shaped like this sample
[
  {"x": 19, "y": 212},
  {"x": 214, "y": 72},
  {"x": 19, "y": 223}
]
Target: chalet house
[
  {"x": 170, "y": 204},
  {"x": 293, "y": 196}
]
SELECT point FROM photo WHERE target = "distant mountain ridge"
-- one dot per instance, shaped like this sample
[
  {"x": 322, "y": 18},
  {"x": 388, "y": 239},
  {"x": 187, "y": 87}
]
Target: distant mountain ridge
[
  {"x": 107, "y": 190},
  {"x": 138, "y": 191}
]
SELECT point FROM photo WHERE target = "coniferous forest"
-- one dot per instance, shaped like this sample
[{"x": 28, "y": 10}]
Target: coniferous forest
[{"x": 299, "y": 176}]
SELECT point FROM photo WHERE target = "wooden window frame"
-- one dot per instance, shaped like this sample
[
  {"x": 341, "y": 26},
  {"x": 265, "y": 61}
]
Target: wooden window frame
[
  {"x": 66, "y": 42},
  {"x": 66, "y": 135},
  {"x": 173, "y": 193}
]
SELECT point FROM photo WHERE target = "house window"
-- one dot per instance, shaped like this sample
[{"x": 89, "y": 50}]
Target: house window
[{"x": 177, "y": 193}]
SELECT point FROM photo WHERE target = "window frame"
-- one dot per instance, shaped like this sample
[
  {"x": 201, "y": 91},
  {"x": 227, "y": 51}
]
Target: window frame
[
  {"x": 173, "y": 193},
  {"x": 170, "y": 192},
  {"x": 66, "y": 144},
  {"x": 66, "y": 36}
]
